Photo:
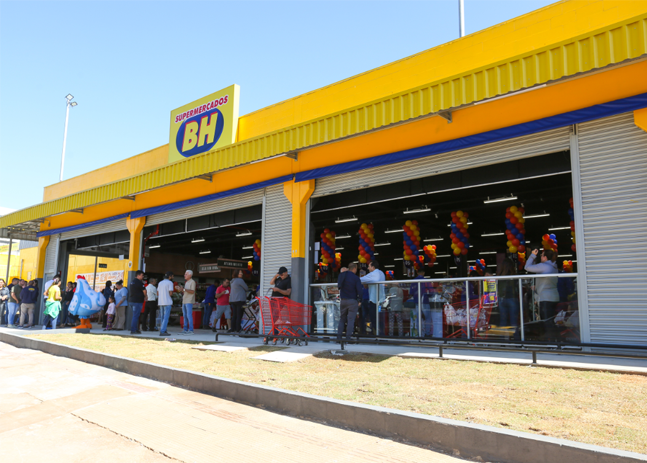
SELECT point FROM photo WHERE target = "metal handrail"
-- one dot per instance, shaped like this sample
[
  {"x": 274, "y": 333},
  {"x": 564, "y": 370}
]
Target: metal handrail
[{"x": 461, "y": 279}]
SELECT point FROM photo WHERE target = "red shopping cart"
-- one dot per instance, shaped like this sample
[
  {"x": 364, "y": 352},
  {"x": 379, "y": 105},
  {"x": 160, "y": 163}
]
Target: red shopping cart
[{"x": 284, "y": 317}]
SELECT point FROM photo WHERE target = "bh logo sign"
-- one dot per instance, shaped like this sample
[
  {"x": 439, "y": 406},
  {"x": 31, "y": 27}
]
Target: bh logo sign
[{"x": 200, "y": 132}]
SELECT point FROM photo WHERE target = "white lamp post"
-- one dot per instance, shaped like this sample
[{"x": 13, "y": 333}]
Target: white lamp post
[
  {"x": 461, "y": 17},
  {"x": 68, "y": 103}
]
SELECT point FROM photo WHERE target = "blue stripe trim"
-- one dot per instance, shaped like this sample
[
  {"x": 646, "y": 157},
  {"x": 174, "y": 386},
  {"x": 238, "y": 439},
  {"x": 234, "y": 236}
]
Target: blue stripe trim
[
  {"x": 561, "y": 120},
  {"x": 204, "y": 199},
  {"x": 56, "y": 231}
]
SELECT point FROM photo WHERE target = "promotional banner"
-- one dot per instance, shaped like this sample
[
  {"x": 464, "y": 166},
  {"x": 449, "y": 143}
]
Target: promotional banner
[{"x": 205, "y": 124}]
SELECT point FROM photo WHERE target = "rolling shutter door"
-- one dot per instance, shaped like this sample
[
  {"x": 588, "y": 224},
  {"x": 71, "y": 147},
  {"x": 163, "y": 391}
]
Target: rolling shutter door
[
  {"x": 108, "y": 227},
  {"x": 613, "y": 172},
  {"x": 51, "y": 255},
  {"x": 509, "y": 150},
  {"x": 277, "y": 234},
  {"x": 251, "y": 198}
]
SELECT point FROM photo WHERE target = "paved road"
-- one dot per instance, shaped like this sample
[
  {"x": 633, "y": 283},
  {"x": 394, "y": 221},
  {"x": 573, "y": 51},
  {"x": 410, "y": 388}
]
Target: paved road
[{"x": 60, "y": 410}]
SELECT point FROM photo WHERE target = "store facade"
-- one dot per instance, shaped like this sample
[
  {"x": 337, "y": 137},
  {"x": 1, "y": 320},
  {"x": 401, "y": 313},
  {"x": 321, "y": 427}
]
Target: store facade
[{"x": 470, "y": 132}]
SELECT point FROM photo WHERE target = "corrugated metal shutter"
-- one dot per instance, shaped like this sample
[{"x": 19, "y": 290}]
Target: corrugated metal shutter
[
  {"x": 613, "y": 171},
  {"x": 108, "y": 227},
  {"x": 251, "y": 198},
  {"x": 524, "y": 147},
  {"x": 51, "y": 254},
  {"x": 277, "y": 233}
]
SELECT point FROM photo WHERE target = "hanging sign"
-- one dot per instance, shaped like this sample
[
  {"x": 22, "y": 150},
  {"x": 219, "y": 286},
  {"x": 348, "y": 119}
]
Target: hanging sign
[
  {"x": 208, "y": 268},
  {"x": 228, "y": 263},
  {"x": 205, "y": 124}
]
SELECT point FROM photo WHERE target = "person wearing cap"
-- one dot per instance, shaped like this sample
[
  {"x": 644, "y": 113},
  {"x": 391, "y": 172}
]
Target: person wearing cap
[
  {"x": 282, "y": 284},
  {"x": 165, "y": 301}
]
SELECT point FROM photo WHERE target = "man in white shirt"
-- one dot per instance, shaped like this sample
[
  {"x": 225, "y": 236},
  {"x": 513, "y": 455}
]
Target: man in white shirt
[
  {"x": 165, "y": 301},
  {"x": 150, "y": 308},
  {"x": 375, "y": 292},
  {"x": 188, "y": 299}
]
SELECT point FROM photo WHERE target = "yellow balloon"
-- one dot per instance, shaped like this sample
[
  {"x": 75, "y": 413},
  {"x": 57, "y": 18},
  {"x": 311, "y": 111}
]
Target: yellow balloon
[
  {"x": 453, "y": 246},
  {"x": 407, "y": 257},
  {"x": 513, "y": 249},
  {"x": 522, "y": 220},
  {"x": 509, "y": 243},
  {"x": 514, "y": 209},
  {"x": 463, "y": 220},
  {"x": 362, "y": 260},
  {"x": 325, "y": 261},
  {"x": 457, "y": 251},
  {"x": 328, "y": 235},
  {"x": 518, "y": 215},
  {"x": 459, "y": 214}
]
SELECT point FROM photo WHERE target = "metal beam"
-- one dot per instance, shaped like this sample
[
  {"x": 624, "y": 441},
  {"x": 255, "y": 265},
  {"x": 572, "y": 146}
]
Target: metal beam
[
  {"x": 447, "y": 115},
  {"x": 208, "y": 177}
]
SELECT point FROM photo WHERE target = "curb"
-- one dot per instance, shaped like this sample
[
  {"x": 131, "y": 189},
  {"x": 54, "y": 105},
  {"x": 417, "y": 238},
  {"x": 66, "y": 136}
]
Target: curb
[{"x": 454, "y": 437}]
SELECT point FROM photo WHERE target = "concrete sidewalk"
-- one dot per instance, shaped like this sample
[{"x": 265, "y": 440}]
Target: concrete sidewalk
[
  {"x": 60, "y": 410},
  {"x": 231, "y": 343}
]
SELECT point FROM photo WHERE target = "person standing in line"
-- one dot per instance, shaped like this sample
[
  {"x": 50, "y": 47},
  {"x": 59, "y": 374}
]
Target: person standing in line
[
  {"x": 136, "y": 300},
  {"x": 546, "y": 289},
  {"x": 209, "y": 302},
  {"x": 52, "y": 304},
  {"x": 107, "y": 292},
  {"x": 121, "y": 302},
  {"x": 4, "y": 299},
  {"x": 237, "y": 299},
  {"x": 150, "y": 309},
  {"x": 188, "y": 299},
  {"x": 396, "y": 307},
  {"x": 165, "y": 301},
  {"x": 67, "y": 296},
  {"x": 222, "y": 303},
  {"x": 110, "y": 314},
  {"x": 14, "y": 302},
  {"x": 350, "y": 292},
  {"x": 375, "y": 291},
  {"x": 29, "y": 297}
]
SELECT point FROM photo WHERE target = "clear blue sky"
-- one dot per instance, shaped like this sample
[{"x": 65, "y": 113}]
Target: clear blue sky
[{"x": 128, "y": 64}]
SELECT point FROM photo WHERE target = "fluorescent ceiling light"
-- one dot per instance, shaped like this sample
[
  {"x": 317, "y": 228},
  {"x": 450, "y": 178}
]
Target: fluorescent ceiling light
[
  {"x": 573, "y": 261},
  {"x": 153, "y": 246},
  {"x": 376, "y": 253},
  {"x": 338, "y": 249},
  {"x": 394, "y": 231},
  {"x": 565, "y": 255},
  {"x": 444, "y": 255},
  {"x": 440, "y": 273},
  {"x": 389, "y": 266},
  {"x": 349, "y": 219},
  {"x": 498, "y": 200},
  {"x": 248, "y": 247},
  {"x": 197, "y": 240},
  {"x": 415, "y": 211},
  {"x": 559, "y": 228},
  {"x": 247, "y": 257},
  {"x": 488, "y": 252},
  {"x": 245, "y": 233},
  {"x": 537, "y": 215},
  {"x": 492, "y": 234},
  {"x": 382, "y": 244},
  {"x": 429, "y": 240},
  {"x": 341, "y": 237},
  {"x": 493, "y": 265},
  {"x": 453, "y": 268},
  {"x": 208, "y": 251},
  {"x": 398, "y": 258},
  {"x": 472, "y": 261},
  {"x": 468, "y": 223}
]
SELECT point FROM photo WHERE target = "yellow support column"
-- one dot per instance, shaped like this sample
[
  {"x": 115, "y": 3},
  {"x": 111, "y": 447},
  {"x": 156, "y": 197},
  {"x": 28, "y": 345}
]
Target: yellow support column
[
  {"x": 640, "y": 118},
  {"x": 43, "y": 241},
  {"x": 298, "y": 193},
  {"x": 135, "y": 227}
]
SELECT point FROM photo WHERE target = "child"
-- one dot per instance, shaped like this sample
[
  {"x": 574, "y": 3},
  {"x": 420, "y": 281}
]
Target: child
[{"x": 110, "y": 313}]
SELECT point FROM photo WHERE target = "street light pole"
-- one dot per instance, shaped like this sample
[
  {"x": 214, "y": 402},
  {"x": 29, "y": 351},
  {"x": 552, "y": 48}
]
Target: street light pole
[
  {"x": 461, "y": 18},
  {"x": 69, "y": 103}
]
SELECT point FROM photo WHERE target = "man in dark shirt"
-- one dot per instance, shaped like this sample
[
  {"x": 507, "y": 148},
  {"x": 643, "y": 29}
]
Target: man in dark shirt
[
  {"x": 137, "y": 292},
  {"x": 282, "y": 283},
  {"x": 350, "y": 292}
]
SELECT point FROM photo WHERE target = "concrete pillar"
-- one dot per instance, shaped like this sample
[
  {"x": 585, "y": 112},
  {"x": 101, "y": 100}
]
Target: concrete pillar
[
  {"x": 135, "y": 227},
  {"x": 298, "y": 193},
  {"x": 640, "y": 118},
  {"x": 43, "y": 241}
]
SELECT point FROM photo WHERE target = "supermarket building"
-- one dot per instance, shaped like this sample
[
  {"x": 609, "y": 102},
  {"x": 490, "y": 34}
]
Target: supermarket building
[{"x": 545, "y": 107}]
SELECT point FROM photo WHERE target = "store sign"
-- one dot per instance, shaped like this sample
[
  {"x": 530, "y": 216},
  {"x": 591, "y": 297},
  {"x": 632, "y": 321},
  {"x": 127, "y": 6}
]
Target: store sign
[
  {"x": 101, "y": 278},
  {"x": 208, "y": 268},
  {"x": 228, "y": 263},
  {"x": 103, "y": 265},
  {"x": 208, "y": 123}
]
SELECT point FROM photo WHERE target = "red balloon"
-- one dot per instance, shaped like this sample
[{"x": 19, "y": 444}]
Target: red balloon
[
  {"x": 409, "y": 251},
  {"x": 508, "y": 215},
  {"x": 514, "y": 220},
  {"x": 467, "y": 235},
  {"x": 323, "y": 235},
  {"x": 452, "y": 236},
  {"x": 460, "y": 244},
  {"x": 465, "y": 214},
  {"x": 515, "y": 242},
  {"x": 456, "y": 219},
  {"x": 464, "y": 251},
  {"x": 519, "y": 226},
  {"x": 521, "y": 248},
  {"x": 546, "y": 237},
  {"x": 453, "y": 214},
  {"x": 573, "y": 247}
]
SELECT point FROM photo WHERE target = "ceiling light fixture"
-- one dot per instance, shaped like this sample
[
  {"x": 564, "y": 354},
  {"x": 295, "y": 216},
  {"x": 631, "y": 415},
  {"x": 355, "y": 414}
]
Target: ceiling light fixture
[
  {"x": 415, "y": 211},
  {"x": 394, "y": 231},
  {"x": 389, "y": 266},
  {"x": 498, "y": 200},
  {"x": 444, "y": 255},
  {"x": 349, "y": 219},
  {"x": 207, "y": 251},
  {"x": 565, "y": 255},
  {"x": 341, "y": 237},
  {"x": 492, "y": 234},
  {"x": 536, "y": 215},
  {"x": 491, "y": 265},
  {"x": 153, "y": 246},
  {"x": 248, "y": 247},
  {"x": 245, "y": 233},
  {"x": 488, "y": 252},
  {"x": 247, "y": 257},
  {"x": 440, "y": 273},
  {"x": 382, "y": 244},
  {"x": 559, "y": 228},
  {"x": 197, "y": 240},
  {"x": 339, "y": 249},
  {"x": 398, "y": 258},
  {"x": 429, "y": 240},
  {"x": 468, "y": 223}
]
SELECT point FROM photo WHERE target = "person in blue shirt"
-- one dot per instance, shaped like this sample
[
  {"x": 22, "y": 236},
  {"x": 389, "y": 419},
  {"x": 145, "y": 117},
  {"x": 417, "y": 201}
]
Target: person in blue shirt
[
  {"x": 209, "y": 301},
  {"x": 350, "y": 292}
]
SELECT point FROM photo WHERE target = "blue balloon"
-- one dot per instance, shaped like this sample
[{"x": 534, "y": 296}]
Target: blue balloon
[{"x": 553, "y": 237}]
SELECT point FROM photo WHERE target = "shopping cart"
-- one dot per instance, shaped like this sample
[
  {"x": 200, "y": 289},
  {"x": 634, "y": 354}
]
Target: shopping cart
[
  {"x": 284, "y": 317},
  {"x": 456, "y": 318}
]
